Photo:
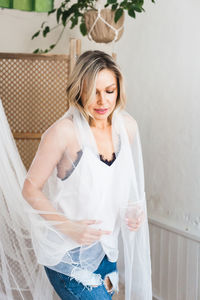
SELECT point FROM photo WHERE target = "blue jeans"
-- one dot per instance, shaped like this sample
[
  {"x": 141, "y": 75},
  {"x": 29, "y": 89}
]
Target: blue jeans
[{"x": 69, "y": 289}]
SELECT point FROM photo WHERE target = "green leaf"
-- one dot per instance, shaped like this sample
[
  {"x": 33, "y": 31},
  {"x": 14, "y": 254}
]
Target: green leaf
[
  {"x": 45, "y": 31},
  {"x": 36, "y": 50},
  {"x": 131, "y": 12},
  {"x": 118, "y": 14},
  {"x": 111, "y": 1},
  {"x": 58, "y": 14},
  {"x": 52, "y": 46},
  {"x": 74, "y": 21},
  {"x": 140, "y": 2},
  {"x": 35, "y": 34},
  {"x": 51, "y": 12},
  {"x": 114, "y": 6},
  {"x": 138, "y": 9},
  {"x": 106, "y": 5},
  {"x": 74, "y": 8},
  {"x": 65, "y": 15},
  {"x": 83, "y": 29},
  {"x": 124, "y": 4}
]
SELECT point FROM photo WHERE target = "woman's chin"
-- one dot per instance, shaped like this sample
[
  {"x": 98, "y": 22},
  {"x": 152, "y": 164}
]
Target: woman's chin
[{"x": 101, "y": 115}]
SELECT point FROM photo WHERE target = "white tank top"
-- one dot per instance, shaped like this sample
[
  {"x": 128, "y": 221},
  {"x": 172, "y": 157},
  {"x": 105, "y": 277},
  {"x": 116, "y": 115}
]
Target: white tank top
[{"x": 88, "y": 193}]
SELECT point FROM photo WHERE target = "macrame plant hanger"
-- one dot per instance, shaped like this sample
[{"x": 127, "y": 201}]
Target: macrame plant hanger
[
  {"x": 101, "y": 26},
  {"x": 99, "y": 17}
]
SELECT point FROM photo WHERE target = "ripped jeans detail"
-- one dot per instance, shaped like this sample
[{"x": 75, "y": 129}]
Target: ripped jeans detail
[
  {"x": 114, "y": 279},
  {"x": 85, "y": 285}
]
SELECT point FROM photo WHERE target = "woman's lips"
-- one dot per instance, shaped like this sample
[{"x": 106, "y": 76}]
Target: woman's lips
[{"x": 101, "y": 110}]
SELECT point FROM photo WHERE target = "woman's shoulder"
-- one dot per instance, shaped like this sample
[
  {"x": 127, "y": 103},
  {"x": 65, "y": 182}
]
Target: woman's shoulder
[{"x": 62, "y": 131}]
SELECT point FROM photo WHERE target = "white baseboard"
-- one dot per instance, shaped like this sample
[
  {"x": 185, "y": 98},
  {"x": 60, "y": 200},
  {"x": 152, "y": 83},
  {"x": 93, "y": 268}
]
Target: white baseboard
[{"x": 175, "y": 264}]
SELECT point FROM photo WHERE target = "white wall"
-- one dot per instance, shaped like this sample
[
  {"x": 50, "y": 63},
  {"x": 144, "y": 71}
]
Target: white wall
[
  {"x": 162, "y": 66},
  {"x": 159, "y": 55}
]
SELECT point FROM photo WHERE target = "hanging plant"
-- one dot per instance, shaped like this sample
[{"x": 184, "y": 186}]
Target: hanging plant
[
  {"x": 84, "y": 13},
  {"x": 101, "y": 25}
]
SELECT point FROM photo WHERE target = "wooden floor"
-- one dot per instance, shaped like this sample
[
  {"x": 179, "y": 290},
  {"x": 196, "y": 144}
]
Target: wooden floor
[{"x": 121, "y": 294}]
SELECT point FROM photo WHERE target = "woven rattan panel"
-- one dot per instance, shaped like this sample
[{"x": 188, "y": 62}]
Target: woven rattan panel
[{"x": 32, "y": 90}]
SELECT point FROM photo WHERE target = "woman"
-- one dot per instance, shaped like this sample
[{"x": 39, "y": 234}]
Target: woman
[{"x": 85, "y": 184}]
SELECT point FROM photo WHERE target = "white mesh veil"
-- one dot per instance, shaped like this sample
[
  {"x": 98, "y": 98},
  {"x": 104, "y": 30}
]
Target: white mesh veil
[
  {"x": 20, "y": 275},
  {"x": 67, "y": 181}
]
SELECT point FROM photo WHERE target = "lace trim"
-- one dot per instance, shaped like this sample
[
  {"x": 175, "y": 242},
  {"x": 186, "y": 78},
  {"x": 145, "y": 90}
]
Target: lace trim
[
  {"x": 79, "y": 154},
  {"x": 107, "y": 161}
]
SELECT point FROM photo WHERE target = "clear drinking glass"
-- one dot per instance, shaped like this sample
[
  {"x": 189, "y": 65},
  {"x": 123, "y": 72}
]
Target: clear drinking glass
[{"x": 133, "y": 212}]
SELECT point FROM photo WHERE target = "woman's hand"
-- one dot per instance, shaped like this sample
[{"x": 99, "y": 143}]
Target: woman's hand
[
  {"x": 81, "y": 232},
  {"x": 135, "y": 224}
]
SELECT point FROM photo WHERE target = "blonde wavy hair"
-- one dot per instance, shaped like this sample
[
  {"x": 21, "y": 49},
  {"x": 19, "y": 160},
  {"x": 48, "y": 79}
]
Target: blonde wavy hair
[{"x": 88, "y": 65}]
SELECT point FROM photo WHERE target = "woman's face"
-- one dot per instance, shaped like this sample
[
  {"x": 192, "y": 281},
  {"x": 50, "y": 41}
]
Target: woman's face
[{"x": 106, "y": 95}]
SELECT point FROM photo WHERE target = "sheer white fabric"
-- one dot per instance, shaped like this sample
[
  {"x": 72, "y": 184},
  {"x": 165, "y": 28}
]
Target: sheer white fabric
[
  {"x": 20, "y": 275},
  {"x": 67, "y": 179}
]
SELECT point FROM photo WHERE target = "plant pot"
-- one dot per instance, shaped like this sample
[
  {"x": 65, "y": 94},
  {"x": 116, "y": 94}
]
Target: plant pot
[{"x": 101, "y": 26}]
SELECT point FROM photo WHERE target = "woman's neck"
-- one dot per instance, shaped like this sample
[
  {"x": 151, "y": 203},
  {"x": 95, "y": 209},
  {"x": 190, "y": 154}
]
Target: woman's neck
[{"x": 100, "y": 124}]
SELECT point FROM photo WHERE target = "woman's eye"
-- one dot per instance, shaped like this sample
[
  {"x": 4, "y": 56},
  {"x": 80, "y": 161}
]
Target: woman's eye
[{"x": 109, "y": 92}]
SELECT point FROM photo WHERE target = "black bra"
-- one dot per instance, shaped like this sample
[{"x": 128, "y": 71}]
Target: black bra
[
  {"x": 79, "y": 154},
  {"x": 106, "y": 161}
]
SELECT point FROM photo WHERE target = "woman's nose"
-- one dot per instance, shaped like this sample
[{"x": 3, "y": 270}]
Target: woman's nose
[{"x": 101, "y": 98}]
